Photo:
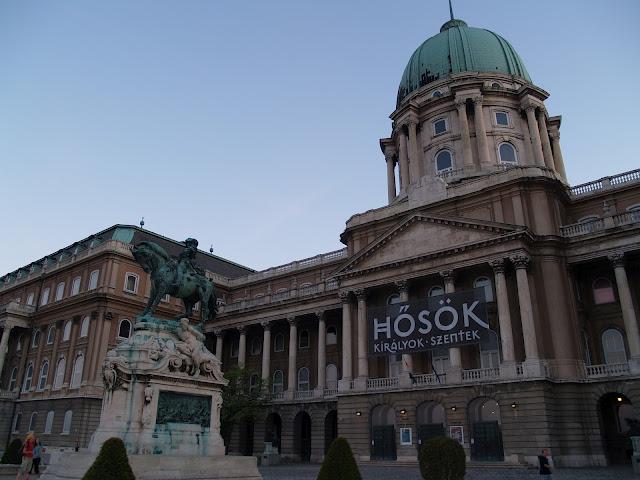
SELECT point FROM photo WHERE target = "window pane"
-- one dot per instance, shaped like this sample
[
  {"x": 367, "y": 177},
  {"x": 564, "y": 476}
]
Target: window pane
[
  {"x": 502, "y": 118},
  {"x": 332, "y": 336},
  {"x": 507, "y": 153},
  {"x": 603, "y": 291},
  {"x": 440, "y": 126},
  {"x": 443, "y": 161}
]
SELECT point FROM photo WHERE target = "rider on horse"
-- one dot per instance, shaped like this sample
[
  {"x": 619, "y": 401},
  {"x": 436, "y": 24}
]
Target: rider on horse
[{"x": 186, "y": 264}]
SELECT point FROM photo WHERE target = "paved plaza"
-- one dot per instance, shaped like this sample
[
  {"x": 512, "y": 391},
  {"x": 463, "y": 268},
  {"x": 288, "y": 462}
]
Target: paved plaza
[{"x": 375, "y": 472}]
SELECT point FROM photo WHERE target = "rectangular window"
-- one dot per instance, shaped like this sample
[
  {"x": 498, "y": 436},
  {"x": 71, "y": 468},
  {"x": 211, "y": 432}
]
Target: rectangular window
[
  {"x": 502, "y": 118},
  {"x": 440, "y": 126},
  {"x": 45, "y": 296},
  {"x": 131, "y": 283},
  {"x": 30, "y": 299}
]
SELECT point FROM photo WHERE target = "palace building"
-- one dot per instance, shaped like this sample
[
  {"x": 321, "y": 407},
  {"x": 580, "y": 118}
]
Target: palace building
[{"x": 477, "y": 198}]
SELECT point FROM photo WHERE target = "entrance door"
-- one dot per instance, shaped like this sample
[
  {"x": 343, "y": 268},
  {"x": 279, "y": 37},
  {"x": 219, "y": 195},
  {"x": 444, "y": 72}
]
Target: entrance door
[
  {"x": 302, "y": 437},
  {"x": 487, "y": 442},
  {"x": 384, "y": 443},
  {"x": 330, "y": 429},
  {"x": 427, "y": 431},
  {"x": 617, "y": 421},
  {"x": 246, "y": 437}
]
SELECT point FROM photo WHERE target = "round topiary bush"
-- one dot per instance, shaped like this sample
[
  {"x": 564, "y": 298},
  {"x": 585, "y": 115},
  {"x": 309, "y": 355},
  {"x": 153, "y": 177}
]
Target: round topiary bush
[
  {"x": 339, "y": 463},
  {"x": 442, "y": 458},
  {"x": 13, "y": 453},
  {"x": 112, "y": 463}
]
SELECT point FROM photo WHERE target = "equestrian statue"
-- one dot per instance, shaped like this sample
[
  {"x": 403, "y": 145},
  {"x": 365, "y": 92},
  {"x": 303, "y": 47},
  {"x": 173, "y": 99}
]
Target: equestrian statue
[{"x": 178, "y": 277}]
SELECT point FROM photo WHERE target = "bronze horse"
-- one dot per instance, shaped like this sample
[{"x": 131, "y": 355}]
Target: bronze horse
[{"x": 167, "y": 278}]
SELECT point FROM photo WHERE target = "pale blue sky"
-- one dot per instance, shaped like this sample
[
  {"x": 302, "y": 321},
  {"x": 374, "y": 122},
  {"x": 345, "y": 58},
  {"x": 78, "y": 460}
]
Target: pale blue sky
[{"x": 254, "y": 125}]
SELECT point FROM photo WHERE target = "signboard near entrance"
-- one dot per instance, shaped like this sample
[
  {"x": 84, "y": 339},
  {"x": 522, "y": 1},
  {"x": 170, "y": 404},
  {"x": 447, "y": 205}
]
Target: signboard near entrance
[{"x": 443, "y": 321}]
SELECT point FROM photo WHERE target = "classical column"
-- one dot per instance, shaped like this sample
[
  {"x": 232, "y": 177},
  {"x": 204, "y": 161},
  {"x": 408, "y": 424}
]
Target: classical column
[
  {"x": 219, "y": 333},
  {"x": 414, "y": 153},
  {"x": 363, "y": 358},
  {"x": 404, "y": 160},
  {"x": 266, "y": 351},
  {"x": 481, "y": 133},
  {"x": 403, "y": 290},
  {"x": 544, "y": 137},
  {"x": 504, "y": 315},
  {"x": 4, "y": 344},
  {"x": 557, "y": 153},
  {"x": 534, "y": 132},
  {"x": 461, "y": 105},
  {"x": 521, "y": 262},
  {"x": 347, "y": 370},
  {"x": 293, "y": 354},
  {"x": 455, "y": 357},
  {"x": 626, "y": 304},
  {"x": 391, "y": 176},
  {"x": 322, "y": 352},
  {"x": 242, "y": 346}
]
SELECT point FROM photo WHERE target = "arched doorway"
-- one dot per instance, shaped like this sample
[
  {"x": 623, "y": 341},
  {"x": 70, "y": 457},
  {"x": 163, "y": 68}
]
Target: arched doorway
[
  {"x": 302, "y": 436},
  {"x": 330, "y": 429},
  {"x": 618, "y": 421},
  {"x": 486, "y": 434},
  {"x": 431, "y": 420},
  {"x": 383, "y": 433},
  {"x": 246, "y": 437},
  {"x": 273, "y": 431}
]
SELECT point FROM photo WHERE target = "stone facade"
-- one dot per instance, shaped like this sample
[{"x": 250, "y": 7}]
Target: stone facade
[{"x": 477, "y": 197}]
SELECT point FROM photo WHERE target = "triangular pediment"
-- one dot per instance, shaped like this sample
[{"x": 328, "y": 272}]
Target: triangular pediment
[{"x": 424, "y": 235}]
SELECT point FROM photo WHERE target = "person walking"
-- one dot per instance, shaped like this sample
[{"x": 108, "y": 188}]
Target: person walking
[
  {"x": 37, "y": 457},
  {"x": 545, "y": 466},
  {"x": 27, "y": 457}
]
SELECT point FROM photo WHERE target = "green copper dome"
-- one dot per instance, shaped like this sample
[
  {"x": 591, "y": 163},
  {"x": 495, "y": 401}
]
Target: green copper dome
[{"x": 459, "y": 48}]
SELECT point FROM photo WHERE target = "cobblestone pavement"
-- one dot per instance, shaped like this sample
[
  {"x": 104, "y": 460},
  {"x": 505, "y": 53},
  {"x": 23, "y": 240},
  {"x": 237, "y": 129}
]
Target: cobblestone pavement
[{"x": 374, "y": 472}]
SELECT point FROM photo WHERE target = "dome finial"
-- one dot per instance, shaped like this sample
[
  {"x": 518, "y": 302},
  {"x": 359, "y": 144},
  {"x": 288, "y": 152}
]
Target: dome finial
[{"x": 450, "y": 10}]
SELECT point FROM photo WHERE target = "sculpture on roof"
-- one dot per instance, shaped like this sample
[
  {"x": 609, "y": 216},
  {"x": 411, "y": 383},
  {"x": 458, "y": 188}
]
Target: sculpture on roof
[{"x": 178, "y": 277}]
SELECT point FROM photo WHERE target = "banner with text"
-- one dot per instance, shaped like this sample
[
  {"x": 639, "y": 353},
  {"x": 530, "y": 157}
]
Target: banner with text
[{"x": 443, "y": 321}]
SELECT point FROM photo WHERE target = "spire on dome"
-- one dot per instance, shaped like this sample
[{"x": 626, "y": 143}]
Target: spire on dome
[{"x": 450, "y": 10}]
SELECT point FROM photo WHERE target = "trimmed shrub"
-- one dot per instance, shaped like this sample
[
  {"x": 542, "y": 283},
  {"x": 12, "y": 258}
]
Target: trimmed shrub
[
  {"x": 339, "y": 463},
  {"x": 112, "y": 463},
  {"x": 13, "y": 453},
  {"x": 442, "y": 458}
]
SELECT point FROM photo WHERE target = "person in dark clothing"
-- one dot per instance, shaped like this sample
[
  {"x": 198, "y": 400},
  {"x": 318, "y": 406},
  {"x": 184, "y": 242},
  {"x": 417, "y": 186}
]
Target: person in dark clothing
[
  {"x": 37, "y": 457},
  {"x": 545, "y": 467}
]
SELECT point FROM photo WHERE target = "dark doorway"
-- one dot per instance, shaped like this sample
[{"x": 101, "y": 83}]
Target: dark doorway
[
  {"x": 330, "y": 429},
  {"x": 430, "y": 417},
  {"x": 486, "y": 433},
  {"x": 273, "y": 431},
  {"x": 302, "y": 436},
  {"x": 246, "y": 437},
  {"x": 617, "y": 420},
  {"x": 425, "y": 432},
  {"x": 383, "y": 433}
]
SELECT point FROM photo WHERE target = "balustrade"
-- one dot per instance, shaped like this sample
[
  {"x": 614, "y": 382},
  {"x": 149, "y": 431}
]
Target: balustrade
[{"x": 607, "y": 370}]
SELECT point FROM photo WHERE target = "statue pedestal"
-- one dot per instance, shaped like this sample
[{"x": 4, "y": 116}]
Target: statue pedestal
[{"x": 163, "y": 393}]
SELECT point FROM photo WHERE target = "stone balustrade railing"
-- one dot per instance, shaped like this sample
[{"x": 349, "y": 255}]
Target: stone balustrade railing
[
  {"x": 607, "y": 370},
  {"x": 599, "y": 224},
  {"x": 605, "y": 183},
  {"x": 480, "y": 374},
  {"x": 388, "y": 383},
  {"x": 7, "y": 395}
]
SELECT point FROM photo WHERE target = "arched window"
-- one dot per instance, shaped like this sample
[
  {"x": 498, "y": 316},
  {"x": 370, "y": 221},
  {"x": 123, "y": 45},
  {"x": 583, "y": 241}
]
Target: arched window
[
  {"x": 393, "y": 299},
  {"x": 66, "y": 333},
  {"x": 253, "y": 383},
  {"x": 84, "y": 327},
  {"x": 30, "y": 298},
  {"x": 303, "y": 379},
  {"x": 303, "y": 340},
  {"x": 331, "y": 376},
  {"x": 66, "y": 425},
  {"x": 485, "y": 283},
  {"x": 435, "y": 291},
  {"x": 277, "y": 386},
  {"x": 634, "y": 210},
  {"x": 507, "y": 153},
  {"x": 32, "y": 422},
  {"x": 256, "y": 346},
  {"x": 278, "y": 343},
  {"x": 51, "y": 334},
  {"x": 93, "y": 280},
  {"x": 48, "y": 424},
  {"x": 613, "y": 346},
  {"x": 124, "y": 328},
  {"x": 603, "y": 291},
  {"x": 19, "y": 343},
  {"x": 26, "y": 385},
  {"x": 16, "y": 422},
  {"x": 59, "y": 378},
  {"x": 59, "y": 291},
  {"x": 44, "y": 372},
  {"x": 75, "y": 286},
  {"x": 444, "y": 161},
  {"x": 76, "y": 376},
  {"x": 44, "y": 299},
  {"x": 332, "y": 335},
  {"x": 131, "y": 282},
  {"x": 35, "y": 338},
  {"x": 436, "y": 94},
  {"x": 13, "y": 379}
]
